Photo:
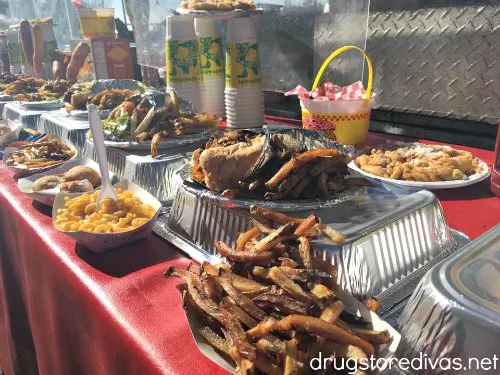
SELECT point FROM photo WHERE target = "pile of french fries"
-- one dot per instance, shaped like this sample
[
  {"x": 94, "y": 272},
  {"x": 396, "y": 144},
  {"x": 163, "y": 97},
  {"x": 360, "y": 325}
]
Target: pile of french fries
[
  {"x": 273, "y": 307},
  {"x": 45, "y": 152},
  {"x": 318, "y": 173}
]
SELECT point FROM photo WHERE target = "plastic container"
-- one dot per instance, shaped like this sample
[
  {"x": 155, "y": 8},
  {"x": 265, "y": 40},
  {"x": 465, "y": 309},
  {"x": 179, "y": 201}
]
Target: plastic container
[
  {"x": 212, "y": 65},
  {"x": 455, "y": 310},
  {"x": 97, "y": 23},
  {"x": 346, "y": 121},
  {"x": 495, "y": 171},
  {"x": 183, "y": 68},
  {"x": 244, "y": 97}
]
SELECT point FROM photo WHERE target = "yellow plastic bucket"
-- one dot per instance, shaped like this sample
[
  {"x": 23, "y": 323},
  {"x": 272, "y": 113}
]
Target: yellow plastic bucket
[
  {"x": 97, "y": 23},
  {"x": 346, "y": 121}
]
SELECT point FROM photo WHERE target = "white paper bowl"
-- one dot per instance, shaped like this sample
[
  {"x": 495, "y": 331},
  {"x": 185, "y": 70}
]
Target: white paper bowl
[
  {"x": 100, "y": 242},
  {"x": 352, "y": 306},
  {"x": 15, "y": 128},
  {"x": 23, "y": 170},
  {"x": 25, "y": 185}
]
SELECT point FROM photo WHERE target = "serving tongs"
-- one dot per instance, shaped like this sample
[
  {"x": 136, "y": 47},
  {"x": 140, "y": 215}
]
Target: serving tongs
[{"x": 107, "y": 190}]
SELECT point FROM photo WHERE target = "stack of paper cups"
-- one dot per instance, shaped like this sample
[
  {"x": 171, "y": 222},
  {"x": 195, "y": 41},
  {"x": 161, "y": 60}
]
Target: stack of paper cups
[
  {"x": 183, "y": 72},
  {"x": 243, "y": 94},
  {"x": 212, "y": 65}
]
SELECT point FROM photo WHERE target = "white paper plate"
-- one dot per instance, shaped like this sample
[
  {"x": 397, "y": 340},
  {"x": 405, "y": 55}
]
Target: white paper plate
[
  {"x": 23, "y": 168},
  {"x": 25, "y": 185},
  {"x": 470, "y": 180},
  {"x": 352, "y": 306},
  {"x": 100, "y": 242},
  {"x": 41, "y": 105},
  {"x": 219, "y": 14},
  {"x": 15, "y": 128}
]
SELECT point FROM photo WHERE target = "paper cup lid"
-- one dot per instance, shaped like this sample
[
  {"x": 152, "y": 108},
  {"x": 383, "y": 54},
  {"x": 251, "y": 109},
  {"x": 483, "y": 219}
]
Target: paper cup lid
[
  {"x": 180, "y": 28},
  {"x": 241, "y": 30}
]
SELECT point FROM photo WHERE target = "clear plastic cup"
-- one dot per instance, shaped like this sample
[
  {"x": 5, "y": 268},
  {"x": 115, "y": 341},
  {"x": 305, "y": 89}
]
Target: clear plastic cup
[{"x": 97, "y": 23}]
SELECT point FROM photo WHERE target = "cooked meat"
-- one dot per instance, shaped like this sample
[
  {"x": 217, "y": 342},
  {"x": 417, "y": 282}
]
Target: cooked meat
[
  {"x": 76, "y": 186},
  {"x": 224, "y": 167}
]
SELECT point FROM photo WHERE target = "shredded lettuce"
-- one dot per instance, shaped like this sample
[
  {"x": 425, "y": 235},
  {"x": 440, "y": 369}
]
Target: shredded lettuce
[{"x": 119, "y": 126}]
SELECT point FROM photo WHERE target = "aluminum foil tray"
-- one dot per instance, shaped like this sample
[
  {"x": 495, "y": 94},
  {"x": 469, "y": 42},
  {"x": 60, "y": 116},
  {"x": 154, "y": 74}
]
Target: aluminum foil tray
[
  {"x": 157, "y": 176},
  {"x": 390, "y": 232},
  {"x": 455, "y": 310},
  {"x": 117, "y": 161}
]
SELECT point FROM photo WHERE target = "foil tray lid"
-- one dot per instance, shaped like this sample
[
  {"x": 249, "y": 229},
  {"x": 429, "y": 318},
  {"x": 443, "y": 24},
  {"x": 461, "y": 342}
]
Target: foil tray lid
[{"x": 470, "y": 279}]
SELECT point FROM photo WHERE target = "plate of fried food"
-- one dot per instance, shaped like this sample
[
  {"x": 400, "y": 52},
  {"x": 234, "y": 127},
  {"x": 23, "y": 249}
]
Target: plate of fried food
[
  {"x": 218, "y": 9},
  {"x": 105, "y": 224},
  {"x": 49, "y": 95},
  {"x": 273, "y": 165},
  {"x": 76, "y": 176},
  {"x": 274, "y": 307},
  {"x": 421, "y": 166},
  {"x": 157, "y": 121},
  {"x": 31, "y": 157},
  {"x": 106, "y": 94}
]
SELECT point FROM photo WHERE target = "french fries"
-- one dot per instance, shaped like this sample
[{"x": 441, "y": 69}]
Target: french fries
[{"x": 274, "y": 307}]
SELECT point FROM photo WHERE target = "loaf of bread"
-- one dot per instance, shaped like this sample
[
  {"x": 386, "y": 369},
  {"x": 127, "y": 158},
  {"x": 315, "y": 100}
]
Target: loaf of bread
[{"x": 78, "y": 57}]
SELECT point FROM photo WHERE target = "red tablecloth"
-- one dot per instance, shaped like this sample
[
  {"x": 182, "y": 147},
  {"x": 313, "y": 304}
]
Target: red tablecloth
[{"x": 65, "y": 311}]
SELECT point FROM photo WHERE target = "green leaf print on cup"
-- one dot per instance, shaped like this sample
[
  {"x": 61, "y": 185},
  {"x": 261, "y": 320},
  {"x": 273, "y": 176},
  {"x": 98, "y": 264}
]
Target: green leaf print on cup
[
  {"x": 212, "y": 61},
  {"x": 242, "y": 64},
  {"x": 183, "y": 64}
]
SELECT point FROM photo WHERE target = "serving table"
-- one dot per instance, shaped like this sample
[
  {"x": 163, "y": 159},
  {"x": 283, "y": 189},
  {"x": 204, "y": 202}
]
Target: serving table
[{"x": 64, "y": 310}]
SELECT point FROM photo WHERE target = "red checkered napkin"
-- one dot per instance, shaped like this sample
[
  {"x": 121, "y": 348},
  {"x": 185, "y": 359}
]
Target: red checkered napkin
[{"x": 330, "y": 91}]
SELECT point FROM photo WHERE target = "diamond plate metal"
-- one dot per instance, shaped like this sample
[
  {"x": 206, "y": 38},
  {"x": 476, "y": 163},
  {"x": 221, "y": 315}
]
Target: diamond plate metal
[{"x": 442, "y": 62}]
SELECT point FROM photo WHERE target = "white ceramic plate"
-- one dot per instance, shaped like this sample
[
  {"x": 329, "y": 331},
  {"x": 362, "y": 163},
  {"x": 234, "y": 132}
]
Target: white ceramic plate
[
  {"x": 473, "y": 179},
  {"x": 48, "y": 104},
  {"x": 25, "y": 185}
]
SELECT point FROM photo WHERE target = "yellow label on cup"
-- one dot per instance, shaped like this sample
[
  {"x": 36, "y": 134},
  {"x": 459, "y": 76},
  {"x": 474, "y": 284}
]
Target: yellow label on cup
[
  {"x": 183, "y": 62},
  {"x": 242, "y": 64},
  {"x": 345, "y": 128},
  {"x": 211, "y": 57}
]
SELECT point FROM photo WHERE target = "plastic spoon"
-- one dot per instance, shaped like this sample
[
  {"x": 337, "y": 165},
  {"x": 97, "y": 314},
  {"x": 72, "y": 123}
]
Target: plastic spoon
[{"x": 107, "y": 190}]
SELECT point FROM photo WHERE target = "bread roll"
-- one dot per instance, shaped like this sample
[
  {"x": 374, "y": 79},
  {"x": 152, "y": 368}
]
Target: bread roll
[
  {"x": 26, "y": 41},
  {"x": 38, "y": 48},
  {"x": 47, "y": 182},
  {"x": 78, "y": 57}
]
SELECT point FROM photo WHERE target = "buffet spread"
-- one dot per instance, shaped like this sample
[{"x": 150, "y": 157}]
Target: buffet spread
[{"x": 298, "y": 236}]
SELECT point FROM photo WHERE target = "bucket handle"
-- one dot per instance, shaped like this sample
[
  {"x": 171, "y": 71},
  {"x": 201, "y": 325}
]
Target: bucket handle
[{"x": 338, "y": 52}]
